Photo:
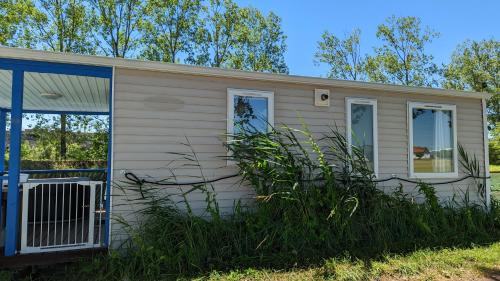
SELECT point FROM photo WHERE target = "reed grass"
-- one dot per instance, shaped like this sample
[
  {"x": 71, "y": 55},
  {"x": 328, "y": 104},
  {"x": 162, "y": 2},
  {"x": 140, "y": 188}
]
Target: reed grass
[{"x": 314, "y": 201}]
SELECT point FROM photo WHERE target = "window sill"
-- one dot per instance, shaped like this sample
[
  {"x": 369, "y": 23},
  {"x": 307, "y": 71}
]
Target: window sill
[{"x": 433, "y": 176}]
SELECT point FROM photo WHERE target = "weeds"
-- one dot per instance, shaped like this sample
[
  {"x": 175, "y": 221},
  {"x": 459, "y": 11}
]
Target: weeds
[{"x": 314, "y": 200}]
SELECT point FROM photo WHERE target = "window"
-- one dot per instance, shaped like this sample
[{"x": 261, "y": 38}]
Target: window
[
  {"x": 432, "y": 140},
  {"x": 361, "y": 129},
  {"x": 249, "y": 110}
]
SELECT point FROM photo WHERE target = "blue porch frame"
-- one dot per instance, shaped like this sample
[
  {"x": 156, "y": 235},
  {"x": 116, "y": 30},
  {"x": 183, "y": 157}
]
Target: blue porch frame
[{"x": 18, "y": 68}]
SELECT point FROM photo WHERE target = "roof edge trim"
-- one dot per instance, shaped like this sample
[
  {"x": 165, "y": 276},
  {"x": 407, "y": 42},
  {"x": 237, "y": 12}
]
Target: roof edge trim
[{"x": 46, "y": 56}]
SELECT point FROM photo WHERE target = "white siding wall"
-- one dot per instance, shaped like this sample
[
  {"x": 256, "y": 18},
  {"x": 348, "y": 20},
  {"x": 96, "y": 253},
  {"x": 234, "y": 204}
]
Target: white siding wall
[{"x": 156, "y": 112}]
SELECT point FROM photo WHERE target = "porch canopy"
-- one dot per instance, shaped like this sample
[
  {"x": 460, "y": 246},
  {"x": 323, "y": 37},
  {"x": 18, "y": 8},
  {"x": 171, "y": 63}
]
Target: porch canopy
[
  {"x": 46, "y": 88},
  {"x": 57, "y": 93}
]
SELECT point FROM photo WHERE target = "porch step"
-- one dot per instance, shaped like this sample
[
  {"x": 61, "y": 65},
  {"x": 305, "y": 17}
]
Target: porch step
[{"x": 44, "y": 259}]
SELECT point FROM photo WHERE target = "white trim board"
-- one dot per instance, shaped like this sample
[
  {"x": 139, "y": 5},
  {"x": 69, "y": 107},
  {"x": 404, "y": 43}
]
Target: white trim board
[
  {"x": 112, "y": 121},
  {"x": 231, "y": 93},
  {"x": 487, "y": 181}
]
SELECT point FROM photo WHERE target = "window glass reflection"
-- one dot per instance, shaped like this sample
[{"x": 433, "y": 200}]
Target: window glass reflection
[
  {"x": 250, "y": 113},
  {"x": 362, "y": 130},
  {"x": 432, "y": 141}
]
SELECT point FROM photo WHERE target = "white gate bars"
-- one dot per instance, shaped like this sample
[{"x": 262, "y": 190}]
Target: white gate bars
[
  {"x": 61, "y": 214},
  {"x": 100, "y": 214}
]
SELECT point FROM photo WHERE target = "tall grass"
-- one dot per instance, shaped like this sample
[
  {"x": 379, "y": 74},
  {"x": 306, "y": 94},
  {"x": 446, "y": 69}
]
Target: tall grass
[{"x": 314, "y": 200}]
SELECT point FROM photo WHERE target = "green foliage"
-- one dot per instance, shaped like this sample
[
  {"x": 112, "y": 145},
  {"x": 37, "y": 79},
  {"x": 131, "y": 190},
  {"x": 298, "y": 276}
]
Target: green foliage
[
  {"x": 475, "y": 65},
  {"x": 241, "y": 38},
  {"x": 402, "y": 59},
  {"x": 344, "y": 270},
  {"x": 15, "y": 16},
  {"x": 261, "y": 43},
  {"x": 343, "y": 56},
  {"x": 66, "y": 26},
  {"x": 218, "y": 34},
  {"x": 87, "y": 138},
  {"x": 472, "y": 167},
  {"x": 495, "y": 168},
  {"x": 215, "y": 40},
  {"x": 494, "y": 148},
  {"x": 215, "y": 33},
  {"x": 169, "y": 28},
  {"x": 313, "y": 201},
  {"x": 118, "y": 22}
]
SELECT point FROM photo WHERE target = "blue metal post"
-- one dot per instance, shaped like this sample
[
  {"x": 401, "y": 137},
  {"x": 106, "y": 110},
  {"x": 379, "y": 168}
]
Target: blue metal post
[
  {"x": 16, "y": 119},
  {"x": 110, "y": 153},
  {"x": 3, "y": 123}
]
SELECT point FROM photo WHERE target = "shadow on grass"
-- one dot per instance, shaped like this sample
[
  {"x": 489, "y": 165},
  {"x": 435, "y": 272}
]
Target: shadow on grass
[
  {"x": 419, "y": 262},
  {"x": 492, "y": 273},
  {"x": 397, "y": 265}
]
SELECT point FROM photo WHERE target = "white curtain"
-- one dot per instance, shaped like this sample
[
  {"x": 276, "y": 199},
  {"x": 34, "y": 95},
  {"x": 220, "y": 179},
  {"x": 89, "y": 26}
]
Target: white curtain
[{"x": 441, "y": 149}]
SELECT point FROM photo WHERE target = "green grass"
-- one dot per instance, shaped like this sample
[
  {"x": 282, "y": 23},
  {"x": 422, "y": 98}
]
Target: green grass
[
  {"x": 495, "y": 168},
  {"x": 453, "y": 264},
  {"x": 495, "y": 180},
  {"x": 446, "y": 264},
  {"x": 427, "y": 165}
]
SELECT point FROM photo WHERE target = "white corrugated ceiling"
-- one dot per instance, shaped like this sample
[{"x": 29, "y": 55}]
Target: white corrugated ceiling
[{"x": 77, "y": 93}]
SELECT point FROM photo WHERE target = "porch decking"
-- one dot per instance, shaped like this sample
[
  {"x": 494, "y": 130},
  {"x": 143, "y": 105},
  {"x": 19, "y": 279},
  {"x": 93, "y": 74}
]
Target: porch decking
[{"x": 49, "y": 258}]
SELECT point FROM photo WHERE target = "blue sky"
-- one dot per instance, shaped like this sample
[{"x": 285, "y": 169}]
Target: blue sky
[{"x": 305, "y": 21}]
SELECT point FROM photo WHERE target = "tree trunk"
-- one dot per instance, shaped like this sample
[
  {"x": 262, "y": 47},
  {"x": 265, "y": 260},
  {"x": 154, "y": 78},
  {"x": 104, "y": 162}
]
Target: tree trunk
[{"x": 63, "y": 136}]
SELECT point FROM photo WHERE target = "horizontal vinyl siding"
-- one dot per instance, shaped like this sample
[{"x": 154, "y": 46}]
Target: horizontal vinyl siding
[{"x": 154, "y": 113}]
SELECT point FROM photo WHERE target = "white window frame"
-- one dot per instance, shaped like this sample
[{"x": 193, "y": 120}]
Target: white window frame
[
  {"x": 426, "y": 105},
  {"x": 349, "y": 102},
  {"x": 231, "y": 93}
]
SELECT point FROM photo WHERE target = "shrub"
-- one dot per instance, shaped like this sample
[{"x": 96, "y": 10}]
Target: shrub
[
  {"x": 494, "y": 146},
  {"x": 494, "y": 151},
  {"x": 313, "y": 201}
]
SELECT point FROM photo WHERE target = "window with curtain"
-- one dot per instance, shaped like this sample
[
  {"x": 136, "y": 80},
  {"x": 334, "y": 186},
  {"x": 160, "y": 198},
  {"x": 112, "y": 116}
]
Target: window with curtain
[{"x": 433, "y": 141}]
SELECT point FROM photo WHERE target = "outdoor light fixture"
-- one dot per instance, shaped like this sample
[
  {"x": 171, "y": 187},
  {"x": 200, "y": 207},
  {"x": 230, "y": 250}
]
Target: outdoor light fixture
[
  {"x": 51, "y": 96},
  {"x": 321, "y": 97}
]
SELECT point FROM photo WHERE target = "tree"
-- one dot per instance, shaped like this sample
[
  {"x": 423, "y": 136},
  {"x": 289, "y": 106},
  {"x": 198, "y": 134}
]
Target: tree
[
  {"x": 494, "y": 146},
  {"x": 170, "y": 28},
  {"x": 88, "y": 138},
  {"x": 66, "y": 26},
  {"x": 476, "y": 66},
  {"x": 402, "y": 59},
  {"x": 343, "y": 56},
  {"x": 261, "y": 43},
  {"x": 240, "y": 38},
  {"x": 119, "y": 21},
  {"x": 216, "y": 39},
  {"x": 15, "y": 16}
]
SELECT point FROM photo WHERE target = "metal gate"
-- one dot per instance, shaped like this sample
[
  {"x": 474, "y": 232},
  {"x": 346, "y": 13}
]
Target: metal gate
[{"x": 61, "y": 214}]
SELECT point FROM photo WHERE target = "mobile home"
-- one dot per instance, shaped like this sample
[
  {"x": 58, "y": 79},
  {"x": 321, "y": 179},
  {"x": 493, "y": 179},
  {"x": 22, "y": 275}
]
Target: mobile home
[{"x": 153, "y": 108}]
